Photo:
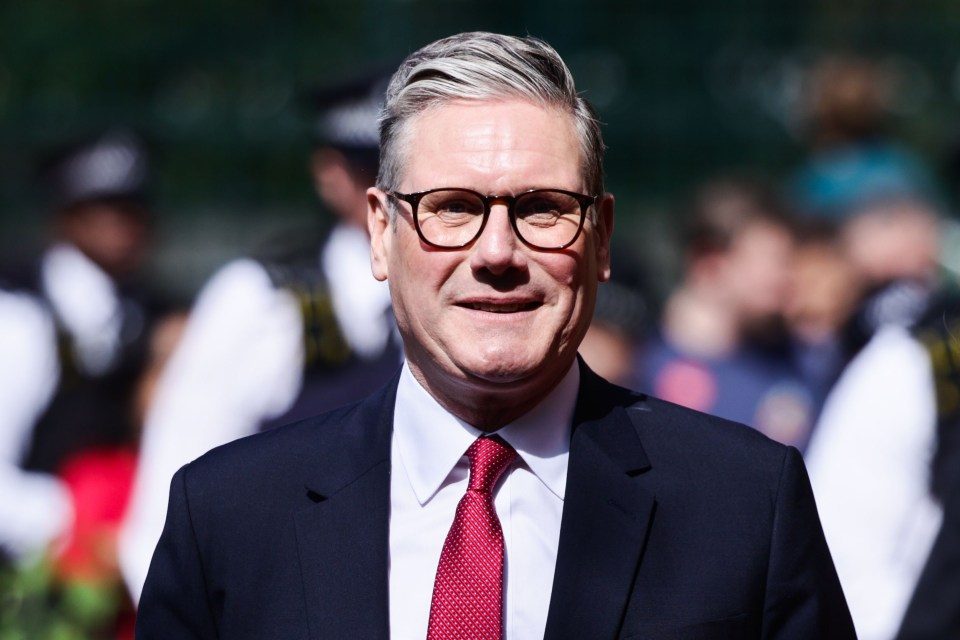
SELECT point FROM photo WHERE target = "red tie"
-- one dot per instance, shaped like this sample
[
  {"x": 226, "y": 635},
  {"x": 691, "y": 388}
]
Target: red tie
[{"x": 468, "y": 593}]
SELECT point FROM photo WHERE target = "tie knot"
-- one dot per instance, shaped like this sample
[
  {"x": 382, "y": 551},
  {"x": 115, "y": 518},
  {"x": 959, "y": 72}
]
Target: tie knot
[{"x": 489, "y": 458}]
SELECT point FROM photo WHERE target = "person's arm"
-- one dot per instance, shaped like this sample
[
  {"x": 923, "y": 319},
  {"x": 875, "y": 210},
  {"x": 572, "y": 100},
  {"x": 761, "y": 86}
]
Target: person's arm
[
  {"x": 803, "y": 598},
  {"x": 238, "y": 363},
  {"x": 869, "y": 463},
  {"x": 175, "y": 602},
  {"x": 35, "y": 508}
]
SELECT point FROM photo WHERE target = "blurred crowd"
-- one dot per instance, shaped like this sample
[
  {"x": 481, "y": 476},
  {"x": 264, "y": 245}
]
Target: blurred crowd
[{"x": 814, "y": 307}]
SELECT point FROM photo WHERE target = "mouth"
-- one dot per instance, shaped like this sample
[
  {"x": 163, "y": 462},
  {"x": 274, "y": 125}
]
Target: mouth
[{"x": 500, "y": 307}]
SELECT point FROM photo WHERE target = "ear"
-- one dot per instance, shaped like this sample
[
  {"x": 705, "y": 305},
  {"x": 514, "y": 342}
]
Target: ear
[
  {"x": 379, "y": 227},
  {"x": 603, "y": 232}
]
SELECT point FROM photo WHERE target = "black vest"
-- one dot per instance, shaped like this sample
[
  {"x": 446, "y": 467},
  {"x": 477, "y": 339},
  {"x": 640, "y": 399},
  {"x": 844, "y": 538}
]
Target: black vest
[
  {"x": 89, "y": 410},
  {"x": 333, "y": 375}
]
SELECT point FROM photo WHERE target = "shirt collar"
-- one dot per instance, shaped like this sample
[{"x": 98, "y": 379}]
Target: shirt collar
[{"x": 431, "y": 440}]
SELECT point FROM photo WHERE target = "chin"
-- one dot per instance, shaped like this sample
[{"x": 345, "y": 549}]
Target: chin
[
  {"x": 500, "y": 371},
  {"x": 514, "y": 367}
]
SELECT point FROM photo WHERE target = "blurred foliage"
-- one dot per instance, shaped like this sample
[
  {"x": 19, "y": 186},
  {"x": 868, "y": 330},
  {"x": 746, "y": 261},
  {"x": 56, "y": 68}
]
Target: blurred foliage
[
  {"x": 34, "y": 606},
  {"x": 685, "y": 88}
]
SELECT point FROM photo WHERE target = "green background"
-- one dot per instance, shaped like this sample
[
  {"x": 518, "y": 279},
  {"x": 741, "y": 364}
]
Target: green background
[{"x": 686, "y": 89}]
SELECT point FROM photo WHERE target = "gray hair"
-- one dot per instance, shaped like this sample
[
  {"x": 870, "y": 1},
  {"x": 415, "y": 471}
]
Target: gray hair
[{"x": 484, "y": 66}]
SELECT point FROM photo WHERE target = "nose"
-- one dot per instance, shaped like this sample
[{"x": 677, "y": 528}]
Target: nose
[{"x": 498, "y": 249}]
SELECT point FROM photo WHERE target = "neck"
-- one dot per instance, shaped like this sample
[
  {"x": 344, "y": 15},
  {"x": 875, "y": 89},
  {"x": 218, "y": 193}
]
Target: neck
[{"x": 488, "y": 406}]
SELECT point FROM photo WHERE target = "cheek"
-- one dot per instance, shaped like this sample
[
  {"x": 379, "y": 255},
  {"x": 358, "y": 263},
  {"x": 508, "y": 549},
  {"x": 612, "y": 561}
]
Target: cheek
[
  {"x": 574, "y": 288},
  {"x": 418, "y": 281}
]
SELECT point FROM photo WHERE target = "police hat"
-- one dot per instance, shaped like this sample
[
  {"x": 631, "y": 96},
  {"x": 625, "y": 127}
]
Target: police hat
[
  {"x": 344, "y": 115},
  {"x": 111, "y": 166}
]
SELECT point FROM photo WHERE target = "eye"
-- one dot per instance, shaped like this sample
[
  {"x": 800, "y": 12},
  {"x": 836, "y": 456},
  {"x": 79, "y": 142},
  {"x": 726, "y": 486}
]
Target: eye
[
  {"x": 451, "y": 207},
  {"x": 544, "y": 208},
  {"x": 537, "y": 204},
  {"x": 455, "y": 207}
]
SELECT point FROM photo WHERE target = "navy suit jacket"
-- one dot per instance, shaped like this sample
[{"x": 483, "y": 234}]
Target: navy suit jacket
[{"x": 675, "y": 525}]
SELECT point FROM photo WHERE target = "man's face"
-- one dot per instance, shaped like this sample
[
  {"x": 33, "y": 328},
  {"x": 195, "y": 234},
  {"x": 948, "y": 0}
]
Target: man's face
[
  {"x": 114, "y": 234},
  {"x": 496, "y": 322},
  {"x": 757, "y": 270}
]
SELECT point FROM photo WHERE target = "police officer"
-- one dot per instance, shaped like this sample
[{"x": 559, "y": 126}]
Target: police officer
[
  {"x": 93, "y": 314},
  {"x": 272, "y": 339}
]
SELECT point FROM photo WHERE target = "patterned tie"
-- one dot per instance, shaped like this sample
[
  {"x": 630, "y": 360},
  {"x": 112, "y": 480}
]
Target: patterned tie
[{"x": 468, "y": 593}]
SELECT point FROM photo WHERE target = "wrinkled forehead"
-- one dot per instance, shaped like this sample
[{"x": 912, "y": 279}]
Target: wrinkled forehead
[{"x": 495, "y": 134}]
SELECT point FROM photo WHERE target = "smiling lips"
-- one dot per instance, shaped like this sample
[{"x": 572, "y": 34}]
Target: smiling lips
[{"x": 500, "y": 307}]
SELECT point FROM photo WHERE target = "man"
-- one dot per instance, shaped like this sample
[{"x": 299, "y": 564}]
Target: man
[
  {"x": 72, "y": 375},
  {"x": 876, "y": 467},
  {"x": 616, "y": 515},
  {"x": 279, "y": 338},
  {"x": 933, "y": 610},
  {"x": 720, "y": 347},
  {"x": 869, "y": 467}
]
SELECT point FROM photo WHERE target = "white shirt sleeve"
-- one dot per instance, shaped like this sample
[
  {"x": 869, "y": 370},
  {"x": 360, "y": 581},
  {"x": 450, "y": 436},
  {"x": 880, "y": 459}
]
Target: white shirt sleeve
[
  {"x": 869, "y": 464},
  {"x": 35, "y": 508},
  {"x": 239, "y": 362},
  {"x": 360, "y": 301}
]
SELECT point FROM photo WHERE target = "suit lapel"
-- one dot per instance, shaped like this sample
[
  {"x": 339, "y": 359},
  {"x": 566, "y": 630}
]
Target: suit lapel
[
  {"x": 343, "y": 529},
  {"x": 606, "y": 516}
]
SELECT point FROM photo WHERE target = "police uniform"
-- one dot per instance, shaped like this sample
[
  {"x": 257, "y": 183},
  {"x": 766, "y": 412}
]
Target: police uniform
[
  {"x": 270, "y": 339},
  {"x": 94, "y": 324}
]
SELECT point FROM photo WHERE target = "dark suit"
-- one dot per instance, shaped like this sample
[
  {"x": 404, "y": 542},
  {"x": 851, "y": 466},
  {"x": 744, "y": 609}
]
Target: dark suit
[{"x": 675, "y": 525}]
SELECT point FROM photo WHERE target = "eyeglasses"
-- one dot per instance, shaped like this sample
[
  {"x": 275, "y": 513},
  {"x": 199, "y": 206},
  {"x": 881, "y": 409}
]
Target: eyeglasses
[{"x": 543, "y": 219}]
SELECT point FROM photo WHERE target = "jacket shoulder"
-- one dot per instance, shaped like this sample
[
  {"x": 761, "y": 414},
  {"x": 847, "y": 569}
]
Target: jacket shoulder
[
  {"x": 684, "y": 443},
  {"x": 292, "y": 454}
]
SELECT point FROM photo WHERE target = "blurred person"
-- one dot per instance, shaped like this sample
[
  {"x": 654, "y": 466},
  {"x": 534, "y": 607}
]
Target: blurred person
[
  {"x": 496, "y": 487},
  {"x": 77, "y": 324},
  {"x": 853, "y": 159},
  {"x": 934, "y": 608},
  {"x": 621, "y": 316},
  {"x": 871, "y": 456},
  {"x": 869, "y": 462},
  {"x": 875, "y": 457},
  {"x": 892, "y": 244},
  {"x": 278, "y": 337},
  {"x": 68, "y": 579},
  {"x": 90, "y": 281},
  {"x": 99, "y": 481},
  {"x": 876, "y": 194},
  {"x": 933, "y": 611},
  {"x": 874, "y": 189},
  {"x": 892, "y": 239},
  {"x": 96, "y": 318},
  {"x": 721, "y": 346},
  {"x": 824, "y": 292}
]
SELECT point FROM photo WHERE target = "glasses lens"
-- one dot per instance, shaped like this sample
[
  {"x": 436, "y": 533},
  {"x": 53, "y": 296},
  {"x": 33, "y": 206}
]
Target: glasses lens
[
  {"x": 450, "y": 217},
  {"x": 548, "y": 219}
]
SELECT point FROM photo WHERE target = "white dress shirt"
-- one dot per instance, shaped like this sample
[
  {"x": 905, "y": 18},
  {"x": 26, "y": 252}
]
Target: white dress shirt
[
  {"x": 869, "y": 464},
  {"x": 430, "y": 473}
]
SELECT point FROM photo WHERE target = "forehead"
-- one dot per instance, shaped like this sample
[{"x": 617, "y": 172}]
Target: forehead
[{"x": 500, "y": 146}]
